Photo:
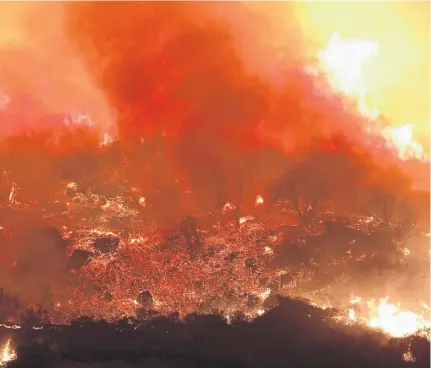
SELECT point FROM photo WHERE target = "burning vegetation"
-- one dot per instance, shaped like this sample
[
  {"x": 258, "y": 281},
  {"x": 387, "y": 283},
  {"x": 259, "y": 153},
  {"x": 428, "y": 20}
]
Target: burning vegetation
[
  {"x": 216, "y": 191},
  {"x": 8, "y": 354}
]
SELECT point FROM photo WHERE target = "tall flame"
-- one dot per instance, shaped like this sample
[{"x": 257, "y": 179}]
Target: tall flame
[
  {"x": 7, "y": 353},
  {"x": 343, "y": 62},
  {"x": 402, "y": 138},
  {"x": 389, "y": 318}
]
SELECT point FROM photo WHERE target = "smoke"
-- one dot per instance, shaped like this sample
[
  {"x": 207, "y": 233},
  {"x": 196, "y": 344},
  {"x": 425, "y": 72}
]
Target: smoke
[
  {"x": 218, "y": 82},
  {"x": 41, "y": 78},
  {"x": 206, "y": 99},
  {"x": 203, "y": 67}
]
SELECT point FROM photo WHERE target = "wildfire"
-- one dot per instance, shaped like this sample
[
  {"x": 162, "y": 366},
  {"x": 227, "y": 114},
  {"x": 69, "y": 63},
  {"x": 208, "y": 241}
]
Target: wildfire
[
  {"x": 408, "y": 356},
  {"x": 106, "y": 141},
  {"x": 12, "y": 193},
  {"x": 116, "y": 272},
  {"x": 268, "y": 250},
  {"x": 7, "y": 354},
  {"x": 343, "y": 60},
  {"x": 228, "y": 207},
  {"x": 142, "y": 201},
  {"x": 78, "y": 118},
  {"x": 259, "y": 200},
  {"x": 389, "y": 318},
  {"x": 402, "y": 138},
  {"x": 244, "y": 219}
]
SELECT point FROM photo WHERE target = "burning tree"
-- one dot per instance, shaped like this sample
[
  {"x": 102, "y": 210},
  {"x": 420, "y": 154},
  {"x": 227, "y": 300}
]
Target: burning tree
[
  {"x": 388, "y": 195},
  {"x": 320, "y": 179}
]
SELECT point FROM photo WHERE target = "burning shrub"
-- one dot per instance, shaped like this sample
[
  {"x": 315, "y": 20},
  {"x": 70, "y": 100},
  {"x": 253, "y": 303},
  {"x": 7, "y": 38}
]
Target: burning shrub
[
  {"x": 78, "y": 259},
  {"x": 145, "y": 299},
  {"x": 106, "y": 245}
]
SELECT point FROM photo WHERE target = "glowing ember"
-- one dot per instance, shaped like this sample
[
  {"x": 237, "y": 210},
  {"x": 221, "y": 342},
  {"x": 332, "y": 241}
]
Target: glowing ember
[
  {"x": 12, "y": 193},
  {"x": 71, "y": 185},
  {"x": 406, "y": 251},
  {"x": 142, "y": 201},
  {"x": 260, "y": 312},
  {"x": 408, "y": 356},
  {"x": 12, "y": 327},
  {"x": 352, "y": 315},
  {"x": 259, "y": 200},
  {"x": 106, "y": 141},
  {"x": 7, "y": 354},
  {"x": 228, "y": 207},
  {"x": 268, "y": 250},
  {"x": 244, "y": 219},
  {"x": 265, "y": 294}
]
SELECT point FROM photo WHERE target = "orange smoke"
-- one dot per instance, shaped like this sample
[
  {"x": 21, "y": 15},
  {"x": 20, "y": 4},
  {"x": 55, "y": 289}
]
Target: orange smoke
[{"x": 42, "y": 80}]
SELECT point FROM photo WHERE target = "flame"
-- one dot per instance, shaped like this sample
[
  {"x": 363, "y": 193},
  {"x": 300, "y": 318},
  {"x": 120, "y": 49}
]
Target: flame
[
  {"x": 406, "y": 251},
  {"x": 72, "y": 185},
  {"x": 408, "y": 356},
  {"x": 228, "y": 207},
  {"x": 78, "y": 118},
  {"x": 244, "y": 219},
  {"x": 343, "y": 60},
  {"x": 268, "y": 250},
  {"x": 259, "y": 200},
  {"x": 265, "y": 294},
  {"x": 352, "y": 315},
  {"x": 106, "y": 141},
  {"x": 7, "y": 354},
  {"x": 389, "y": 318},
  {"x": 142, "y": 201},
  {"x": 12, "y": 194},
  {"x": 402, "y": 138}
]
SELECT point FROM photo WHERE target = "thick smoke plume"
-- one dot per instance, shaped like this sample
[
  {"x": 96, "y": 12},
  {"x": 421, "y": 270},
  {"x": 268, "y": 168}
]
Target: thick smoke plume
[
  {"x": 213, "y": 81},
  {"x": 183, "y": 67},
  {"x": 42, "y": 80}
]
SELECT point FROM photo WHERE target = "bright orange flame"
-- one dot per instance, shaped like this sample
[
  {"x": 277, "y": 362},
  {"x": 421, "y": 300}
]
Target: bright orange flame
[
  {"x": 268, "y": 250},
  {"x": 142, "y": 201},
  {"x": 343, "y": 62},
  {"x": 389, "y": 318},
  {"x": 228, "y": 207},
  {"x": 402, "y": 138},
  {"x": 244, "y": 219},
  {"x": 408, "y": 356},
  {"x": 259, "y": 200},
  {"x": 7, "y": 354},
  {"x": 12, "y": 193},
  {"x": 106, "y": 141}
]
